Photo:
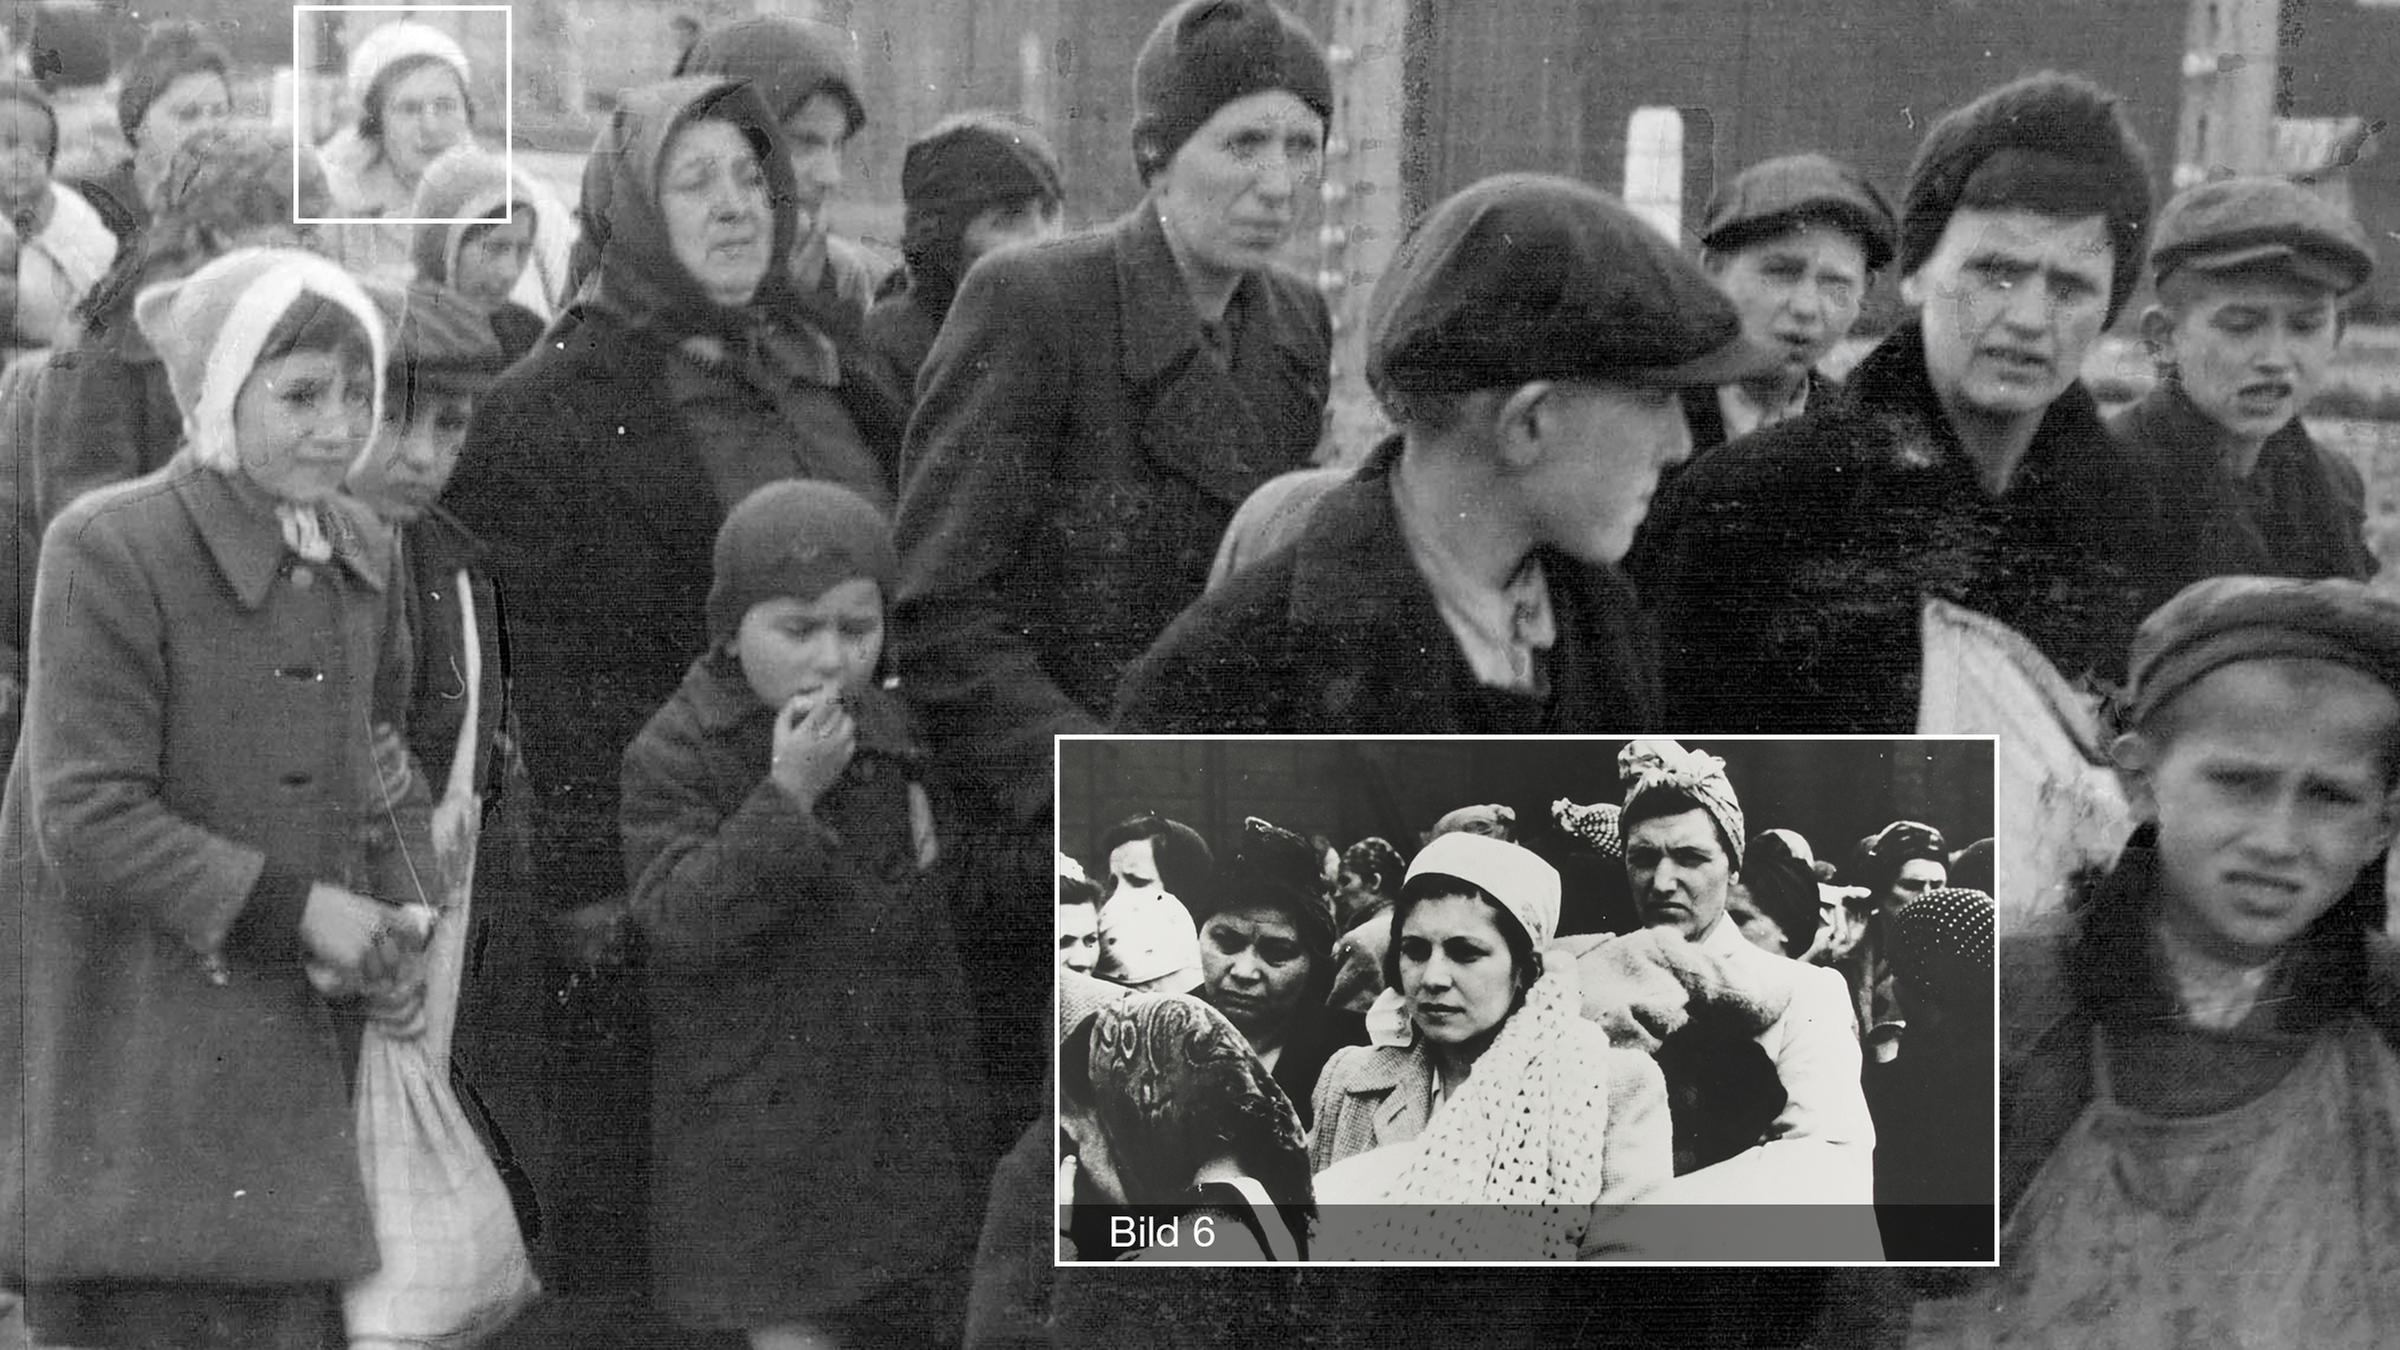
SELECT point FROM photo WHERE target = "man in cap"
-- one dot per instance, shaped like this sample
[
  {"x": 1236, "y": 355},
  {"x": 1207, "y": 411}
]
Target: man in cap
[
  {"x": 2231, "y": 974},
  {"x": 1530, "y": 341},
  {"x": 1964, "y": 461},
  {"x": 1793, "y": 241},
  {"x": 1897, "y": 864},
  {"x": 1684, "y": 837},
  {"x": 2251, "y": 273}
]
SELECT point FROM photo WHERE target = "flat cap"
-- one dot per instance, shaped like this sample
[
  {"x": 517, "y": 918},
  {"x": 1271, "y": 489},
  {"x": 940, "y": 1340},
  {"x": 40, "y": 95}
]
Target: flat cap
[
  {"x": 1527, "y": 277},
  {"x": 2248, "y": 222},
  {"x": 1774, "y": 195},
  {"x": 2214, "y": 623}
]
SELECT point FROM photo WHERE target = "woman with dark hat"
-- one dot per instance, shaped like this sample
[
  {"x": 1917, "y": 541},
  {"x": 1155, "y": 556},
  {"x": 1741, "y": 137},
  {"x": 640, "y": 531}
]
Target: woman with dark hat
[
  {"x": 1266, "y": 953},
  {"x": 1896, "y": 864},
  {"x": 974, "y": 183},
  {"x": 1090, "y": 417}
]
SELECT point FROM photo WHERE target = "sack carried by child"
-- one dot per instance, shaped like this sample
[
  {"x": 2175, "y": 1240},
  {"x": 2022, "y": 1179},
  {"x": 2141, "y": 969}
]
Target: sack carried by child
[{"x": 454, "y": 1267}]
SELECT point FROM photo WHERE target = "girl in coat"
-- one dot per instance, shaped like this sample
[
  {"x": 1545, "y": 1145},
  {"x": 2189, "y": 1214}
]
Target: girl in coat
[
  {"x": 207, "y": 837},
  {"x": 815, "y": 1079},
  {"x": 1488, "y": 1120}
]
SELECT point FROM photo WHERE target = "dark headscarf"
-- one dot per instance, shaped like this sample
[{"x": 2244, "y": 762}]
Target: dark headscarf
[
  {"x": 786, "y": 60},
  {"x": 1174, "y": 1085},
  {"x": 1782, "y": 882},
  {"x": 636, "y": 276}
]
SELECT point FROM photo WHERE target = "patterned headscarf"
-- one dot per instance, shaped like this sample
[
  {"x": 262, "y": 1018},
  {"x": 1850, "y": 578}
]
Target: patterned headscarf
[
  {"x": 1175, "y": 1085},
  {"x": 1944, "y": 941},
  {"x": 1653, "y": 766}
]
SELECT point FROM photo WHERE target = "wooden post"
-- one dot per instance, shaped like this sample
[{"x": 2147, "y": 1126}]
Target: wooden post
[
  {"x": 1365, "y": 206},
  {"x": 2228, "y": 119}
]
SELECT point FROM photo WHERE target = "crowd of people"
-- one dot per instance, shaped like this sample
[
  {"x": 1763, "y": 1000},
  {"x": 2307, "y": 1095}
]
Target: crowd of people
[
  {"x": 682, "y": 602},
  {"x": 1468, "y": 1040}
]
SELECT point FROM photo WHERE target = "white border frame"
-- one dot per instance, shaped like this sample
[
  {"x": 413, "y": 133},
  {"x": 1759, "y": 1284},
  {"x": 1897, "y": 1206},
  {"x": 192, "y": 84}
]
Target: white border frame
[{"x": 508, "y": 109}]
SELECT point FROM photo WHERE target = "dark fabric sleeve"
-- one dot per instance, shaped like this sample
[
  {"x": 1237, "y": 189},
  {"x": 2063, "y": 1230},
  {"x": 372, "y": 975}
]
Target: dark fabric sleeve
[
  {"x": 703, "y": 882},
  {"x": 991, "y": 419},
  {"x": 1209, "y": 672},
  {"x": 96, "y": 421}
]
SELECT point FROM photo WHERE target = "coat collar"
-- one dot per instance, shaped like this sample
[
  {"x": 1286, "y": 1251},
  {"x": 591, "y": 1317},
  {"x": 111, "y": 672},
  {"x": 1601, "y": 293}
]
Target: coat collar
[
  {"x": 1160, "y": 327},
  {"x": 1402, "y": 1078},
  {"x": 2166, "y": 421},
  {"x": 246, "y": 540},
  {"x": 1894, "y": 380},
  {"x": 1353, "y": 570}
]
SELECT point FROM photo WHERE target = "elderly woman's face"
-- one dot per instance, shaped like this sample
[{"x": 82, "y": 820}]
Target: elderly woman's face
[
  {"x": 1256, "y": 970},
  {"x": 714, "y": 197},
  {"x": 424, "y": 114},
  {"x": 1456, "y": 970},
  {"x": 1229, "y": 196}
]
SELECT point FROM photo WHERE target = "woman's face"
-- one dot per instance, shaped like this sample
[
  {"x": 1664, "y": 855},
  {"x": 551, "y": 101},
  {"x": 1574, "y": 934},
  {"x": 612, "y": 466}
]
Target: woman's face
[
  {"x": 300, "y": 421},
  {"x": 25, "y": 146},
  {"x": 424, "y": 114},
  {"x": 1132, "y": 866},
  {"x": 714, "y": 197},
  {"x": 188, "y": 105},
  {"x": 1456, "y": 970},
  {"x": 1256, "y": 969},
  {"x": 1229, "y": 196}
]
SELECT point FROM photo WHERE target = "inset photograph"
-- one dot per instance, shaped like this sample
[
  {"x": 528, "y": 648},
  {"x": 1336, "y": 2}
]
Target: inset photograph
[{"x": 1522, "y": 1000}]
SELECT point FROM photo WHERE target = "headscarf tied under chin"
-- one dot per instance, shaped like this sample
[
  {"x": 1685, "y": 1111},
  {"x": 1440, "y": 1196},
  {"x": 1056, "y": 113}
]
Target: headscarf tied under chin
[
  {"x": 208, "y": 329},
  {"x": 1175, "y": 1086},
  {"x": 1651, "y": 766}
]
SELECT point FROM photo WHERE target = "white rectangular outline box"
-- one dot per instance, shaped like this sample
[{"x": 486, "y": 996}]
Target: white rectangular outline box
[{"x": 508, "y": 110}]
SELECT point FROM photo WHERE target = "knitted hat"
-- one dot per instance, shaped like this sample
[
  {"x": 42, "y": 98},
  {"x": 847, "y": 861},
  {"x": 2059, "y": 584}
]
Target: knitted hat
[
  {"x": 464, "y": 188},
  {"x": 1525, "y": 886},
  {"x": 66, "y": 44},
  {"x": 235, "y": 177},
  {"x": 1147, "y": 940},
  {"x": 378, "y": 52},
  {"x": 14, "y": 90},
  {"x": 787, "y": 60},
  {"x": 952, "y": 173},
  {"x": 172, "y": 49},
  {"x": 1275, "y": 867},
  {"x": 208, "y": 329},
  {"x": 440, "y": 340},
  {"x": 1594, "y": 825},
  {"x": 1780, "y": 873},
  {"x": 1944, "y": 941},
  {"x": 796, "y": 538},
  {"x": 1663, "y": 770},
  {"x": 1205, "y": 54},
  {"x": 2054, "y": 144}
]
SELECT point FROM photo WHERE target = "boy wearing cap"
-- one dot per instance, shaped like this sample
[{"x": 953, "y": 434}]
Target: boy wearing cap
[
  {"x": 1793, "y": 241},
  {"x": 1964, "y": 461},
  {"x": 1464, "y": 580},
  {"x": 2200, "y": 1089},
  {"x": 2251, "y": 274}
]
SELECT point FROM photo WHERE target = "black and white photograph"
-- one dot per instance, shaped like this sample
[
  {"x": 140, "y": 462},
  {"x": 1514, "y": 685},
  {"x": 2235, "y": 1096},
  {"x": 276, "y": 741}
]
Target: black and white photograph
[
  {"x": 555, "y": 549},
  {"x": 1525, "y": 1000}
]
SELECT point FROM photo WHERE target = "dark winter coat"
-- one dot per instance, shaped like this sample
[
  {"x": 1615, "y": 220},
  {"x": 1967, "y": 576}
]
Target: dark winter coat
[
  {"x": 1790, "y": 567},
  {"x": 1339, "y": 634},
  {"x": 901, "y": 328},
  {"x": 103, "y": 411},
  {"x": 815, "y": 1071},
  {"x": 2301, "y": 513},
  {"x": 587, "y": 472},
  {"x": 1075, "y": 455},
  {"x": 197, "y": 751}
]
